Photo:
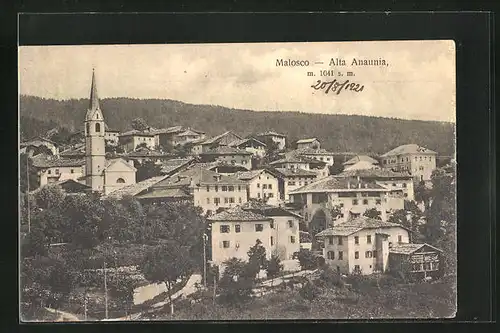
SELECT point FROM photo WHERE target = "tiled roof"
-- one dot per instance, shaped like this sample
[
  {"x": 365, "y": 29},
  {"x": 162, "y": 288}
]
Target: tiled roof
[
  {"x": 144, "y": 152},
  {"x": 351, "y": 226},
  {"x": 64, "y": 183},
  {"x": 296, "y": 172},
  {"x": 247, "y": 175},
  {"x": 199, "y": 175},
  {"x": 189, "y": 131},
  {"x": 75, "y": 151},
  {"x": 37, "y": 141},
  {"x": 173, "y": 164},
  {"x": 226, "y": 150},
  {"x": 271, "y": 133},
  {"x": 238, "y": 143},
  {"x": 238, "y": 214},
  {"x": 217, "y": 138},
  {"x": 138, "y": 133},
  {"x": 359, "y": 158},
  {"x": 44, "y": 161},
  {"x": 267, "y": 210},
  {"x": 311, "y": 151},
  {"x": 295, "y": 158},
  {"x": 408, "y": 248},
  {"x": 372, "y": 173},
  {"x": 169, "y": 130},
  {"x": 137, "y": 188},
  {"x": 165, "y": 193},
  {"x": 336, "y": 184},
  {"x": 361, "y": 165},
  {"x": 310, "y": 140},
  {"x": 408, "y": 149}
]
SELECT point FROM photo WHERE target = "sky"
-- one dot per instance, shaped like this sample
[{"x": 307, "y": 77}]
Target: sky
[{"x": 418, "y": 82}]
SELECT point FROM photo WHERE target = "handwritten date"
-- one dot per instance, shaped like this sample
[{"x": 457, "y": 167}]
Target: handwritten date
[{"x": 337, "y": 86}]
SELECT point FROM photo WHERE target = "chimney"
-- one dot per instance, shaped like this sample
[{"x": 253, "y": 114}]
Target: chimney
[{"x": 348, "y": 185}]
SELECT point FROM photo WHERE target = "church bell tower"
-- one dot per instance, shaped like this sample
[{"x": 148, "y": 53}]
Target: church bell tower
[{"x": 95, "y": 154}]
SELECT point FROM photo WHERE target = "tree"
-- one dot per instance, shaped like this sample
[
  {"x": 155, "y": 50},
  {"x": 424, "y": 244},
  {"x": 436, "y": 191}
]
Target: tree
[
  {"x": 307, "y": 259},
  {"x": 309, "y": 291},
  {"x": 335, "y": 213},
  {"x": 236, "y": 283},
  {"x": 142, "y": 145},
  {"x": 147, "y": 169},
  {"x": 372, "y": 213},
  {"x": 34, "y": 243},
  {"x": 27, "y": 172},
  {"x": 139, "y": 124},
  {"x": 274, "y": 266},
  {"x": 166, "y": 263},
  {"x": 422, "y": 194},
  {"x": 257, "y": 257}
]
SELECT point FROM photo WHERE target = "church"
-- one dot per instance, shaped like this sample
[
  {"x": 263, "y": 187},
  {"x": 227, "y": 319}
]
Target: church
[{"x": 101, "y": 174}]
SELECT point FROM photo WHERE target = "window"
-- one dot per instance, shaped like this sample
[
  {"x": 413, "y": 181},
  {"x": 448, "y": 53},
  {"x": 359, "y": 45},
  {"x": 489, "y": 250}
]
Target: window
[
  {"x": 291, "y": 183},
  {"x": 239, "y": 199},
  {"x": 356, "y": 239},
  {"x": 400, "y": 238},
  {"x": 341, "y": 255},
  {"x": 264, "y": 186},
  {"x": 216, "y": 188},
  {"x": 340, "y": 241},
  {"x": 49, "y": 171},
  {"x": 237, "y": 228},
  {"x": 356, "y": 268},
  {"x": 330, "y": 255},
  {"x": 270, "y": 195},
  {"x": 226, "y": 200},
  {"x": 356, "y": 255},
  {"x": 231, "y": 188},
  {"x": 271, "y": 224},
  {"x": 368, "y": 239},
  {"x": 216, "y": 201},
  {"x": 57, "y": 171},
  {"x": 88, "y": 128},
  {"x": 272, "y": 241},
  {"x": 259, "y": 227},
  {"x": 368, "y": 254},
  {"x": 404, "y": 185},
  {"x": 97, "y": 127},
  {"x": 225, "y": 244},
  {"x": 374, "y": 253},
  {"x": 420, "y": 158},
  {"x": 270, "y": 186},
  {"x": 355, "y": 202},
  {"x": 224, "y": 229},
  {"x": 120, "y": 181},
  {"x": 208, "y": 200},
  {"x": 330, "y": 240},
  {"x": 208, "y": 188},
  {"x": 427, "y": 266},
  {"x": 365, "y": 201},
  {"x": 258, "y": 185},
  {"x": 224, "y": 188},
  {"x": 292, "y": 239},
  {"x": 72, "y": 171},
  {"x": 290, "y": 224},
  {"x": 378, "y": 201},
  {"x": 258, "y": 195},
  {"x": 231, "y": 200}
]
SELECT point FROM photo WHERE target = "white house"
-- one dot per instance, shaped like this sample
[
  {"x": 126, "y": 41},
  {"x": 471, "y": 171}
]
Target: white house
[
  {"x": 251, "y": 145},
  {"x": 414, "y": 159},
  {"x": 262, "y": 185},
  {"x": 361, "y": 244},
  {"x": 308, "y": 143},
  {"x": 277, "y": 138}
]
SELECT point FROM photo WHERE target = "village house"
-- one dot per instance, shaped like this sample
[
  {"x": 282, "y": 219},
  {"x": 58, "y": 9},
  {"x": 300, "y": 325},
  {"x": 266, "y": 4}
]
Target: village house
[
  {"x": 228, "y": 155},
  {"x": 279, "y": 139},
  {"x": 417, "y": 261},
  {"x": 360, "y": 162},
  {"x": 294, "y": 162},
  {"x": 39, "y": 145},
  {"x": 68, "y": 186},
  {"x": 130, "y": 140},
  {"x": 361, "y": 245},
  {"x": 250, "y": 145},
  {"x": 111, "y": 136},
  {"x": 177, "y": 135},
  {"x": 235, "y": 230},
  {"x": 319, "y": 154},
  {"x": 417, "y": 161},
  {"x": 392, "y": 180},
  {"x": 352, "y": 196},
  {"x": 292, "y": 179},
  {"x": 262, "y": 185},
  {"x": 308, "y": 143},
  {"x": 76, "y": 151},
  {"x": 143, "y": 154},
  {"x": 223, "y": 139},
  {"x": 206, "y": 189},
  {"x": 52, "y": 169},
  {"x": 285, "y": 234}
]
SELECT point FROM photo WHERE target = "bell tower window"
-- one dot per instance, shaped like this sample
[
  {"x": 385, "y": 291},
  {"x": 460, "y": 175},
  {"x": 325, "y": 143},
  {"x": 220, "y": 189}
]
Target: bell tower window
[
  {"x": 98, "y": 127},
  {"x": 88, "y": 128}
]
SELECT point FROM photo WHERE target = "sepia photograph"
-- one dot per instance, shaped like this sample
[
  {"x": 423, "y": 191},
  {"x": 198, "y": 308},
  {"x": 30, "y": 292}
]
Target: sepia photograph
[{"x": 237, "y": 181}]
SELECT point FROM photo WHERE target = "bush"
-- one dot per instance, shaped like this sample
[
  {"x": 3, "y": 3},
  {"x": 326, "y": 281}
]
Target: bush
[
  {"x": 309, "y": 291},
  {"x": 307, "y": 259},
  {"x": 330, "y": 278}
]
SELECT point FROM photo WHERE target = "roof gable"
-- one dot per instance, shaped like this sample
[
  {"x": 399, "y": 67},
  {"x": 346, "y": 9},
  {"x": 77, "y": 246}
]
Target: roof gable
[
  {"x": 117, "y": 165},
  {"x": 408, "y": 149}
]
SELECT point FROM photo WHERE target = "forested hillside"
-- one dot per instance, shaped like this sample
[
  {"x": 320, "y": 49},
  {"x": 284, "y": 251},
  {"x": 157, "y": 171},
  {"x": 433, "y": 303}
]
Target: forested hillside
[{"x": 336, "y": 132}]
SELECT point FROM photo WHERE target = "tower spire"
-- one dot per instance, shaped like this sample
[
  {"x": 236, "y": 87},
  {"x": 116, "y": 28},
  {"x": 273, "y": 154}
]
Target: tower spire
[{"x": 94, "y": 98}]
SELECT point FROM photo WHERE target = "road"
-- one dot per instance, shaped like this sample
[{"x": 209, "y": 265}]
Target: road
[{"x": 187, "y": 290}]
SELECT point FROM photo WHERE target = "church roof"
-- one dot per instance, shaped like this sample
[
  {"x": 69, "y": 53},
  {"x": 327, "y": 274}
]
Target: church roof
[
  {"x": 94, "y": 99},
  {"x": 137, "y": 188}
]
